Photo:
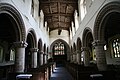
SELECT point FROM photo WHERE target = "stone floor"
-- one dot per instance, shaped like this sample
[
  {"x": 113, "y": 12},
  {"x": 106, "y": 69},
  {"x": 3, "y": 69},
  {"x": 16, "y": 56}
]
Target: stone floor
[{"x": 60, "y": 73}]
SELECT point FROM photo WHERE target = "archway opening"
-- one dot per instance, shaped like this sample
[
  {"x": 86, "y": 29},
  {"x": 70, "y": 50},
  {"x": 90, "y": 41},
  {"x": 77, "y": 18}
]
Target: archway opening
[
  {"x": 9, "y": 34},
  {"x": 28, "y": 53},
  {"x": 112, "y": 34},
  {"x": 59, "y": 51}
]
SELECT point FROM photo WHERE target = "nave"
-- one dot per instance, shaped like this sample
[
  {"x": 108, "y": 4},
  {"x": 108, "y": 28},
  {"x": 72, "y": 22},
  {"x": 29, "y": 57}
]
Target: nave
[{"x": 61, "y": 73}]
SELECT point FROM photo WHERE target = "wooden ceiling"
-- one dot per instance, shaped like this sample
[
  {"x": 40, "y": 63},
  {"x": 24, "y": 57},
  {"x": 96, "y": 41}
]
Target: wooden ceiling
[{"x": 58, "y": 13}]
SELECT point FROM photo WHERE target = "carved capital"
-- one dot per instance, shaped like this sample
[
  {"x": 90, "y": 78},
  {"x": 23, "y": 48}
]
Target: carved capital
[
  {"x": 84, "y": 48},
  {"x": 98, "y": 43},
  {"x": 34, "y": 50},
  {"x": 20, "y": 44}
]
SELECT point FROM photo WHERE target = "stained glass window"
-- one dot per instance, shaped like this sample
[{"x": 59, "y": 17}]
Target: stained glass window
[
  {"x": 59, "y": 48},
  {"x": 116, "y": 47}
]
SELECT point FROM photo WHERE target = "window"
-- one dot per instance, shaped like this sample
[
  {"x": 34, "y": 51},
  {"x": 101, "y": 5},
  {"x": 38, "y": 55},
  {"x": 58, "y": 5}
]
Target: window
[
  {"x": 1, "y": 53},
  {"x": 115, "y": 47},
  {"x": 12, "y": 54},
  {"x": 83, "y": 9},
  {"x": 32, "y": 8},
  {"x": 59, "y": 48},
  {"x": 23, "y": 0}
]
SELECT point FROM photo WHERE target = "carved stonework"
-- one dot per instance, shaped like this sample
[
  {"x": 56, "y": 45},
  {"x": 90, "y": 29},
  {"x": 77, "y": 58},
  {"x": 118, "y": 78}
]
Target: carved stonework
[
  {"x": 84, "y": 49},
  {"x": 98, "y": 43},
  {"x": 34, "y": 50},
  {"x": 20, "y": 44},
  {"x": 105, "y": 11},
  {"x": 13, "y": 12}
]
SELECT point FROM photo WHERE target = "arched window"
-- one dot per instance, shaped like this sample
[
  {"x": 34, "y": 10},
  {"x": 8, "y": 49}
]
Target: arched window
[
  {"x": 1, "y": 53},
  {"x": 12, "y": 54},
  {"x": 83, "y": 8},
  {"x": 32, "y": 8},
  {"x": 59, "y": 48},
  {"x": 115, "y": 46}
]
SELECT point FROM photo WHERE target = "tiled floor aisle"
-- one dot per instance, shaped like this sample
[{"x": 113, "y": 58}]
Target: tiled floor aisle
[{"x": 60, "y": 73}]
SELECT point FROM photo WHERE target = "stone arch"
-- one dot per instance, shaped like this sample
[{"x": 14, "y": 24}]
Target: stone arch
[
  {"x": 40, "y": 44},
  {"x": 66, "y": 45},
  {"x": 103, "y": 14},
  {"x": 74, "y": 47},
  {"x": 87, "y": 48},
  {"x": 105, "y": 29},
  {"x": 32, "y": 35},
  {"x": 87, "y": 37},
  {"x": 15, "y": 16},
  {"x": 79, "y": 44},
  {"x": 29, "y": 50},
  {"x": 39, "y": 58},
  {"x": 44, "y": 48}
]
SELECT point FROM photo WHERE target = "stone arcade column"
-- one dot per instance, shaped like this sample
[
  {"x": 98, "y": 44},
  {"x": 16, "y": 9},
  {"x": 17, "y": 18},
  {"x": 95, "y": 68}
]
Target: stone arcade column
[
  {"x": 78, "y": 56},
  {"x": 41, "y": 57},
  {"x": 85, "y": 52},
  {"x": 45, "y": 58},
  {"x": 34, "y": 57},
  {"x": 100, "y": 55},
  {"x": 74, "y": 57},
  {"x": 20, "y": 56}
]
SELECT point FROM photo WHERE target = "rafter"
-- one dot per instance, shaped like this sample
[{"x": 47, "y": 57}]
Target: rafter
[
  {"x": 60, "y": 1},
  {"x": 59, "y": 14}
]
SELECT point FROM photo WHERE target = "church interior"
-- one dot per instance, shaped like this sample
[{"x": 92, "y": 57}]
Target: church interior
[{"x": 59, "y": 39}]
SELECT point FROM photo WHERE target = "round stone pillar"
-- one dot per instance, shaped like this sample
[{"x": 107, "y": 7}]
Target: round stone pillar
[
  {"x": 45, "y": 58},
  {"x": 78, "y": 56},
  {"x": 86, "y": 56},
  {"x": 41, "y": 57},
  {"x": 34, "y": 57},
  {"x": 20, "y": 56},
  {"x": 100, "y": 55}
]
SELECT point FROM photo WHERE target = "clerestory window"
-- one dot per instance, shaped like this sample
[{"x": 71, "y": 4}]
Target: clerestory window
[
  {"x": 32, "y": 8},
  {"x": 83, "y": 8}
]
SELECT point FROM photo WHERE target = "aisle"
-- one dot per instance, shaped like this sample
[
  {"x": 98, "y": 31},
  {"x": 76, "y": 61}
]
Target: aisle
[{"x": 60, "y": 73}]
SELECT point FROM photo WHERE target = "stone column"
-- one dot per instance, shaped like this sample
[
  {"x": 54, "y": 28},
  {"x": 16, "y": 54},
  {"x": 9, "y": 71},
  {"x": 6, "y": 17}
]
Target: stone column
[
  {"x": 41, "y": 58},
  {"x": 100, "y": 54},
  {"x": 78, "y": 56},
  {"x": 34, "y": 57},
  {"x": 45, "y": 58},
  {"x": 20, "y": 56},
  {"x": 74, "y": 58},
  {"x": 70, "y": 57},
  {"x": 86, "y": 56}
]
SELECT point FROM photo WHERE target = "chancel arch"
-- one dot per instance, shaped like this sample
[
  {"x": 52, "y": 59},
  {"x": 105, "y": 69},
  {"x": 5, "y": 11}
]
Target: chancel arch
[{"x": 60, "y": 50}]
